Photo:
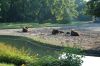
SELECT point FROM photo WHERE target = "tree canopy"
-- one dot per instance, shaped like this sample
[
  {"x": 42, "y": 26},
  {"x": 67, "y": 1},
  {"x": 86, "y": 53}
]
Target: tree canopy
[
  {"x": 37, "y": 10},
  {"x": 93, "y": 8}
]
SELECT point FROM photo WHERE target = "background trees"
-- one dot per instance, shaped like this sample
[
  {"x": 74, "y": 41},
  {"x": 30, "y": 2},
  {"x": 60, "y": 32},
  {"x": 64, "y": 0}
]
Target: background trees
[
  {"x": 93, "y": 9},
  {"x": 37, "y": 10}
]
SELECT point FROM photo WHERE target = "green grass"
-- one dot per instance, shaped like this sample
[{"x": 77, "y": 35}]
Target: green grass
[
  {"x": 9, "y": 54},
  {"x": 34, "y": 45},
  {"x": 14, "y": 56},
  {"x": 30, "y": 45},
  {"x": 32, "y": 25},
  {"x": 4, "y": 64}
]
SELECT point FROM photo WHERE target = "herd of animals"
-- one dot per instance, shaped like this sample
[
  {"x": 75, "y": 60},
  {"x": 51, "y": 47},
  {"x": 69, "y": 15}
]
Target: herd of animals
[{"x": 56, "y": 31}]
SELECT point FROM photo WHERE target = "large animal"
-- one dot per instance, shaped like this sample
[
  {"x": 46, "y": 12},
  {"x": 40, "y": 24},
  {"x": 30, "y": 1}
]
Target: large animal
[
  {"x": 74, "y": 33},
  {"x": 55, "y": 31},
  {"x": 25, "y": 29}
]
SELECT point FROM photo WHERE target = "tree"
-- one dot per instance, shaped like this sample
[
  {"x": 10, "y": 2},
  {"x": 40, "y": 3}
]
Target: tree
[
  {"x": 58, "y": 10},
  {"x": 38, "y": 10},
  {"x": 81, "y": 10},
  {"x": 93, "y": 8},
  {"x": 4, "y": 8}
]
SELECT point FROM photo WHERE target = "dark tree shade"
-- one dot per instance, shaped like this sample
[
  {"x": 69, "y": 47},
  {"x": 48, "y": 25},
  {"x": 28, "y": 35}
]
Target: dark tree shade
[
  {"x": 37, "y": 10},
  {"x": 93, "y": 8}
]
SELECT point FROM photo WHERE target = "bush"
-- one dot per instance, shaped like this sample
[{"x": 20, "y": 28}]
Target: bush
[
  {"x": 71, "y": 60},
  {"x": 4, "y": 64},
  {"x": 10, "y": 54}
]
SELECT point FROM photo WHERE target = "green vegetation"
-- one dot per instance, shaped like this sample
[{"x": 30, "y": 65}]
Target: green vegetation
[
  {"x": 14, "y": 14},
  {"x": 34, "y": 47},
  {"x": 93, "y": 8},
  {"x": 10, "y": 54},
  {"x": 71, "y": 60},
  {"x": 4, "y": 64},
  {"x": 44, "y": 10},
  {"x": 17, "y": 25}
]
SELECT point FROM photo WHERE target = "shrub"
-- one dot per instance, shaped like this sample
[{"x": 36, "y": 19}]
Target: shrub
[
  {"x": 10, "y": 54},
  {"x": 4, "y": 64},
  {"x": 70, "y": 60},
  {"x": 73, "y": 58}
]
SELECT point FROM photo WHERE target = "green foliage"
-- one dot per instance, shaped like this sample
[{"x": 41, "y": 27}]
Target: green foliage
[
  {"x": 71, "y": 60},
  {"x": 29, "y": 45},
  {"x": 4, "y": 64},
  {"x": 73, "y": 50},
  {"x": 93, "y": 8},
  {"x": 37, "y": 10},
  {"x": 45, "y": 60},
  {"x": 10, "y": 54},
  {"x": 20, "y": 25}
]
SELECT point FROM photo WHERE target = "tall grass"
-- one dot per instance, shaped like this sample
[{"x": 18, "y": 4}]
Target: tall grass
[
  {"x": 4, "y": 64},
  {"x": 10, "y": 54}
]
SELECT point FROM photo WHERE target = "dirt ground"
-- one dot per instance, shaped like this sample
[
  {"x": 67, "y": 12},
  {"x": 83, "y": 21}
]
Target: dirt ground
[{"x": 88, "y": 40}]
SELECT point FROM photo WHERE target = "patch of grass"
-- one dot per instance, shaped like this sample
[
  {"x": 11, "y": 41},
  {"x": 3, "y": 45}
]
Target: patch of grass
[
  {"x": 70, "y": 60},
  {"x": 17, "y": 25},
  {"x": 50, "y": 40},
  {"x": 30, "y": 45},
  {"x": 10, "y": 54},
  {"x": 4, "y": 64}
]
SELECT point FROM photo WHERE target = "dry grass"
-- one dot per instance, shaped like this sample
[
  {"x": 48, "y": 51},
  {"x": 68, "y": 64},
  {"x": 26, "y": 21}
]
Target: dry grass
[{"x": 87, "y": 40}]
